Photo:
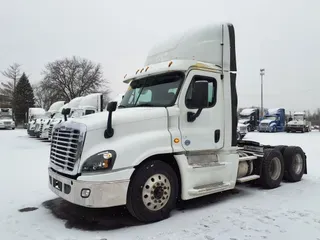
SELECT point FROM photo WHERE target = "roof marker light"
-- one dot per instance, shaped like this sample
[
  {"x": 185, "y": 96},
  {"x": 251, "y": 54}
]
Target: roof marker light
[
  {"x": 170, "y": 63},
  {"x": 125, "y": 76},
  {"x": 137, "y": 71},
  {"x": 141, "y": 70},
  {"x": 146, "y": 69}
]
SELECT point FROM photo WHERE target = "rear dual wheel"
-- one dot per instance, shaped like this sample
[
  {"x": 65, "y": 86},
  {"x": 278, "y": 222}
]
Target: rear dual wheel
[{"x": 282, "y": 162}]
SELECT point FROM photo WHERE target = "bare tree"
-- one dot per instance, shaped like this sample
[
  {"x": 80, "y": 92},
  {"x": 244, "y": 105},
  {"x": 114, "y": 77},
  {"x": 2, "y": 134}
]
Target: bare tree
[
  {"x": 44, "y": 96},
  {"x": 13, "y": 73},
  {"x": 73, "y": 77}
]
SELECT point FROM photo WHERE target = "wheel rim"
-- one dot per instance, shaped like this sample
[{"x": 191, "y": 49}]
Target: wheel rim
[
  {"x": 275, "y": 168},
  {"x": 297, "y": 164},
  {"x": 156, "y": 192}
]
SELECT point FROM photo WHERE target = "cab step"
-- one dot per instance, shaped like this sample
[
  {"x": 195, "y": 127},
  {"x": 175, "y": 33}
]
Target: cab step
[
  {"x": 208, "y": 189},
  {"x": 247, "y": 178}
]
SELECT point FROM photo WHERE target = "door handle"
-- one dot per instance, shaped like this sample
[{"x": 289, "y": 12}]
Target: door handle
[{"x": 216, "y": 135}]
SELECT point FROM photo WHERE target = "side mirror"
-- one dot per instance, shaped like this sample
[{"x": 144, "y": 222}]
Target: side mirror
[
  {"x": 66, "y": 111},
  {"x": 112, "y": 106},
  {"x": 199, "y": 98}
]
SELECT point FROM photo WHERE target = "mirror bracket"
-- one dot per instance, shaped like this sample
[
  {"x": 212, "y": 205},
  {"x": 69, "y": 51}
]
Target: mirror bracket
[{"x": 191, "y": 117}]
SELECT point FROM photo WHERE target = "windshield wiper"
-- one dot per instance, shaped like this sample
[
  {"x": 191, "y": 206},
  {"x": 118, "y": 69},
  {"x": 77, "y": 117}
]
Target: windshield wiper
[{"x": 122, "y": 106}]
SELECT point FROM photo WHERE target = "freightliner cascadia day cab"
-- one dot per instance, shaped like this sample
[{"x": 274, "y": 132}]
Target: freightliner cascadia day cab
[{"x": 173, "y": 137}]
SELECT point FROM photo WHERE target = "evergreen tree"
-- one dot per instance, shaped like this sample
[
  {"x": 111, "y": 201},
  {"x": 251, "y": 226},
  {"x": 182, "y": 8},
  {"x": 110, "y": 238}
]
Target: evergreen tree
[{"x": 23, "y": 98}]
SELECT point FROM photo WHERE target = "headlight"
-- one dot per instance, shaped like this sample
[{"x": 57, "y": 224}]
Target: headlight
[{"x": 100, "y": 162}]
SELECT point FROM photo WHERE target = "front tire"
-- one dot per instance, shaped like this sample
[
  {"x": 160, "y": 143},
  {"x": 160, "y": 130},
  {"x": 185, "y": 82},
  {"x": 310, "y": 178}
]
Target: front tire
[{"x": 152, "y": 192}]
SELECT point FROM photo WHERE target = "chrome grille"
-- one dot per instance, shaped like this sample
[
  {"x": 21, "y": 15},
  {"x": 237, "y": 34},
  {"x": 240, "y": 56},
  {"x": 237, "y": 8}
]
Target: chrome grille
[
  {"x": 243, "y": 129},
  {"x": 65, "y": 147},
  {"x": 50, "y": 131},
  {"x": 37, "y": 126}
]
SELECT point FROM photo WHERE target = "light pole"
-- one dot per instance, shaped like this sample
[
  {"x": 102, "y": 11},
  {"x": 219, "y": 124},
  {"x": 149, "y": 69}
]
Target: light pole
[{"x": 262, "y": 71}]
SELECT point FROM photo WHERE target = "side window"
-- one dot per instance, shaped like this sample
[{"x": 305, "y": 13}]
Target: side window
[
  {"x": 89, "y": 111},
  {"x": 212, "y": 91}
]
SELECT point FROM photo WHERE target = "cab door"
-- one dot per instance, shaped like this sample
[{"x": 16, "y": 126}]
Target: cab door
[{"x": 207, "y": 131}]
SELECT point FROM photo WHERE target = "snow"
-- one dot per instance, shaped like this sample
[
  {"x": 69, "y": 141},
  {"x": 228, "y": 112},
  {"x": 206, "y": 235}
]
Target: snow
[
  {"x": 299, "y": 113},
  {"x": 273, "y": 111},
  {"x": 247, "y": 111},
  {"x": 288, "y": 212}
]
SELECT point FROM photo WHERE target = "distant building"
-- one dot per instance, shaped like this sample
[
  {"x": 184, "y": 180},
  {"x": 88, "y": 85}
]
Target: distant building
[{"x": 4, "y": 102}]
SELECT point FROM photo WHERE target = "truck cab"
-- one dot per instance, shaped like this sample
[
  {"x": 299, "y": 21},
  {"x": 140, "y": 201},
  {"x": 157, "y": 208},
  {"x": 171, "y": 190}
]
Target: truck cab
[
  {"x": 41, "y": 123},
  {"x": 32, "y": 115},
  {"x": 250, "y": 118},
  {"x": 299, "y": 123},
  {"x": 6, "y": 119},
  {"x": 173, "y": 137},
  {"x": 273, "y": 121}
]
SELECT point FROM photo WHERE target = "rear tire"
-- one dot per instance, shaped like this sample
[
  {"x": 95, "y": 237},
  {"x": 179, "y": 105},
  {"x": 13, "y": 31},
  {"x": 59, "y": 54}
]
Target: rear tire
[
  {"x": 281, "y": 148},
  {"x": 295, "y": 160},
  {"x": 152, "y": 192},
  {"x": 272, "y": 169}
]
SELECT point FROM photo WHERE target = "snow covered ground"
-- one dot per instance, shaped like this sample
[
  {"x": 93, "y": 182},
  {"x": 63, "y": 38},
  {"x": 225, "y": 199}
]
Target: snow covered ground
[{"x": 291, "y": 211}]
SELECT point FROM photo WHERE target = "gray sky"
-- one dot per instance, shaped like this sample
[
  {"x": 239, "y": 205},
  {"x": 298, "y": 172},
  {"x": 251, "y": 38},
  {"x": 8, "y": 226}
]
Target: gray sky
[{"x": 281, "y": 36}]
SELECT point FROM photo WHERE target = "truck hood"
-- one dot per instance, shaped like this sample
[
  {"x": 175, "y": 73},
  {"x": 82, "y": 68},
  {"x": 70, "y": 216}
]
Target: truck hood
[
  {"x": 6, "y": 120},
  {"x": 244, "y": 121},
  {"x": 296, "y": 122},
  {"x": 266, "y": 121},
  {"x": 120, "y": 116}
]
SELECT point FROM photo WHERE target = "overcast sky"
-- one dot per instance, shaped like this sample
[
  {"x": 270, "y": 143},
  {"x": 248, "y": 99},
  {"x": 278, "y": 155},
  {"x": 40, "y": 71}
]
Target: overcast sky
[{"x": 281, "y": 36}]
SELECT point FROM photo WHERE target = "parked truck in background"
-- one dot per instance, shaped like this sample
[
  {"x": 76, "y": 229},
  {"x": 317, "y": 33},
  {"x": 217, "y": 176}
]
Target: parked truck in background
[
  {"x": 92, "y": 103},
  {"x": 299, "y": 123},
  {"x": 32, "y": 115},
  {"x": 273, "y": 121},
  {"x": 73, "y": 104},
  {"x": 173, "y": 137},
  {"x": 6, "y": 119},
  {"x": 54, "y": 108},
  {"x": 250, "y": 118},
  {"x": 242, "y": 130},
  {"x": 56, "y": 117}
]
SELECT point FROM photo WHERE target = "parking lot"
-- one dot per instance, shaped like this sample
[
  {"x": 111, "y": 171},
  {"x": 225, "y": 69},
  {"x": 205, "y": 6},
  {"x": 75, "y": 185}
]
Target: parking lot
[{"x": 31, "y": 211}]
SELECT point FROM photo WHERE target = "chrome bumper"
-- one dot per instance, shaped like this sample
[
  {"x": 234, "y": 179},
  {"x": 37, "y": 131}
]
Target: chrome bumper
[{"x": 102, "y": 193}]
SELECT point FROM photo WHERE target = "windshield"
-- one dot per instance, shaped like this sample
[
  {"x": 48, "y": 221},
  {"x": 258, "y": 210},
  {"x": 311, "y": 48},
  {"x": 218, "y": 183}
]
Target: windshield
[
  {"x": 57, "y": 115},
  {"x": 273, "y": 118},
  {"x": 76, "y": 113},
  {"x": 154, "y": 91},
  {"x": 242, "y": 116},
  {"x": 298, "y": 117},
  {"x": 5, "y": 117}
]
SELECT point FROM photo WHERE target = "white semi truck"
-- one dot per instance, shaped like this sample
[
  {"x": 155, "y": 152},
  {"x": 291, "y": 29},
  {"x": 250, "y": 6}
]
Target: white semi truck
[
  {"x": 6, "y": 119},
  {"x": 40, "y": 123},
  {"x": 299, "y": 123},
  {"x": 173, "y": 137},
  {"x": 73, "y": 104},
  {"x": 32, "y": 115}
]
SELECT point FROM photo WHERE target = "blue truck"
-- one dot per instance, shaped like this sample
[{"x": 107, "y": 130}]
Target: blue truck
[{"x": 273, "y": 121}]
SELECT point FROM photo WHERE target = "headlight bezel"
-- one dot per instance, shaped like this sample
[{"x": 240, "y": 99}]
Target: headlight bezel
[{"x": 97, "y": 162}]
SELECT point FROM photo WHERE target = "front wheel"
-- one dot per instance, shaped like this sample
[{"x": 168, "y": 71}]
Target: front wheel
[{"x": 153, "y": 191}]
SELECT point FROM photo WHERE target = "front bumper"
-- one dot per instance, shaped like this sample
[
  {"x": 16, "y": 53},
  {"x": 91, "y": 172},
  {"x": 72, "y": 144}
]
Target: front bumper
[
  {"x": 6, "y": 126},
  {"x": 102, "y": 193},
  {"x": 294, "y": 128}
]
